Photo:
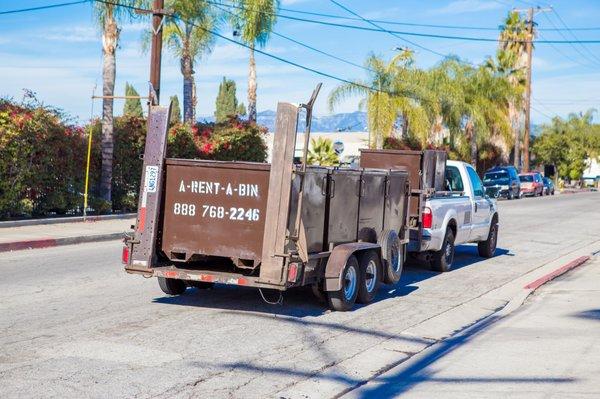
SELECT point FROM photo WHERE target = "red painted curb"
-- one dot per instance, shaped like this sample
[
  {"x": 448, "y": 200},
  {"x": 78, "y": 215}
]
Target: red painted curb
[
  {"x": 534, "y": 285},
  {"x": 19, "y": 245}
]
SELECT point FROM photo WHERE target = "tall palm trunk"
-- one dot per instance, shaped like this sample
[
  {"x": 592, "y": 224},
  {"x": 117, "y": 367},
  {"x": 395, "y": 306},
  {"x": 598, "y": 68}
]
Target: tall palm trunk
[
  {"x": 252, "y": 86},
  {"x": 470, "y": 130},
  {"x": 189, "y": 89},
  {"x": 404, "y": 125},
  {"x": 110, "y": 37},
  {"x": 513, "y": 115}
]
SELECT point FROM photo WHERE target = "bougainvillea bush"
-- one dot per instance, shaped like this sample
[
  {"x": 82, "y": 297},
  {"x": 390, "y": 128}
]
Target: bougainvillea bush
[{"x": 41, "y": 157}]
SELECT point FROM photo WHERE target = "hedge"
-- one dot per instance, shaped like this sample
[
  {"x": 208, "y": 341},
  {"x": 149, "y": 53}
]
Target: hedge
[{"x": 42, "y": 157}]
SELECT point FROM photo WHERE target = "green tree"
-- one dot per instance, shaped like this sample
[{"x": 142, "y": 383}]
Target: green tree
[
  {"x": 189, "y": 38},
  {"x": 512, "y": 58},
  {"x": 226, "y": 104},
  {"x": 133, "y": 106},
  {"x": 568, "y": 143},
  {"x": 241, "y": 109},
  {"x": 255, "y": 20},
  {"x": 321, "y": 152},
  {"x": 175, "y": 110},
  {"x": 387, "y": 93},
  {"x": 108, "y": 15}
]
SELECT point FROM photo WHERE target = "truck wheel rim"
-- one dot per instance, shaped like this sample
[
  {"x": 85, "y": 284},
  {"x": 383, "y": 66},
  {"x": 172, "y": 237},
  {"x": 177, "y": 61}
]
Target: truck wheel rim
[
  {"x": 448, "y": 252},
  {"x": 349, "y": 283},
  {"x": 395, "y": 259},
  {"x": 370, "y": 276}
]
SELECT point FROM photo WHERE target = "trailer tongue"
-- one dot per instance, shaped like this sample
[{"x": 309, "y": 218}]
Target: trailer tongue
[{"x": 277, "y": 226}]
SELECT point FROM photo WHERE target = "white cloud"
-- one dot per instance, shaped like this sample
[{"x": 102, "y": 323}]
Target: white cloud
[{"x": 73, "y": 34}]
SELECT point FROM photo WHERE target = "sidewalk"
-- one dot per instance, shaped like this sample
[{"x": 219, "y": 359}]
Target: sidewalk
[
  {"x": 40, "y": 236},
  {"x": 548, "y": 348}
]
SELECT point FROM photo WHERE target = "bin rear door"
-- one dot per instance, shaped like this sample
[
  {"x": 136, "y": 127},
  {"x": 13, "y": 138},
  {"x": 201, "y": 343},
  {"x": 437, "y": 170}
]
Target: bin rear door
[{"x": 214, "y": 208}]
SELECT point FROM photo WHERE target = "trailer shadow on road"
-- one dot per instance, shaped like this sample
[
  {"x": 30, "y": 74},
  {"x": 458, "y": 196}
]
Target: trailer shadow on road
[{"x": 300, "y": 302}]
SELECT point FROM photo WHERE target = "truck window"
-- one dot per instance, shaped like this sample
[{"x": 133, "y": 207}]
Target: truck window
[
  {"x": 453, "y": 180},
  {"x": 475, "y": 182}
]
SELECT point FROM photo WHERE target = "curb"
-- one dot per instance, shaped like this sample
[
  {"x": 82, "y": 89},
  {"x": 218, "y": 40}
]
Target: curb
[
  {"x": 69, "y": 219},
  {"x": 534, "y": 285},
  {"x": 56, "y": 242}
]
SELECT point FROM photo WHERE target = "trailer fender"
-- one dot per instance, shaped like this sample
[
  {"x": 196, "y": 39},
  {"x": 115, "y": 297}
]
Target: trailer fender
[{"x": 337, "y": 261}]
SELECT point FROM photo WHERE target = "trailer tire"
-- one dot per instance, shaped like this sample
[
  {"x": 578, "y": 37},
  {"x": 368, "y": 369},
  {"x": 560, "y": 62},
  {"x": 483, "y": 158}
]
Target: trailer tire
[
  {"x": 442, "y": 260},
  {"x": 487, "y": 248},
  {"x": 343, "y": 299},
  {"x": 370, "y": 276},
  {"x": 171, "y": 286},
  {"x": 392, "y": 254}
]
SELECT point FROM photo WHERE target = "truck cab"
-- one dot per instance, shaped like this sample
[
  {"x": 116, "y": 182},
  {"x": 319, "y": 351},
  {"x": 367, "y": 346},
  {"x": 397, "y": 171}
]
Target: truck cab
[{"x": 462, "y": 214}]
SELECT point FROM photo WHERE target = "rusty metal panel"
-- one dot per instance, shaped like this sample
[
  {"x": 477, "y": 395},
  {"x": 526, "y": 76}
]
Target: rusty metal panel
[
  {"x": 440, "y": 170},
  {"x": 143, "y": 251},
  {"x": 407, "y": 160},
  {"x": 214, "y": 208},
  {"x": 278, "y": 200},
  {"x": 370, "y": 213},
  {"x": 344, "y": 189},
  {"x": 313, "y": 209},
  {"x": 396, "y": 202}
]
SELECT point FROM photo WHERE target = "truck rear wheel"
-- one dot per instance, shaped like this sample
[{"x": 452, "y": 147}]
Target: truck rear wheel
[
  {"x": 370, "y": 277},
  {"x": 442, "y": 260},
  {"x": 487, "y": 248},
  {"x": 393, "y": 256},
  {"x": 343, "y": 299},
  {"x": 171, "y": 286}
]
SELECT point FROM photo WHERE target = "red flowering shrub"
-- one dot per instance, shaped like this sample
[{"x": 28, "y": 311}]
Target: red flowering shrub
[{"x": 41, "y": 159}]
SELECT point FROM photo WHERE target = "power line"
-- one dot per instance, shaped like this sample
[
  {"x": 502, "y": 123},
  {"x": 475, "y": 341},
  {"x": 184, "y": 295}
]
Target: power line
[
  {"x": 267, "y": 54},
  {"x": 395, "y": 34},
  {"x": 574, "y": 36},
  {"x": 20, "y": 10},
  {"x": 308, "y": 46},
  {"x": 558, "y": 50}
]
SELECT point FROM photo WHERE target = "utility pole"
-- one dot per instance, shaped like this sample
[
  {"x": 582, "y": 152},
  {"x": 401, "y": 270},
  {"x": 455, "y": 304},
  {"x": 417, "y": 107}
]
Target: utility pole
[
  {"x": 529, "y": 49},
  {"x": 158, "y": 14}
]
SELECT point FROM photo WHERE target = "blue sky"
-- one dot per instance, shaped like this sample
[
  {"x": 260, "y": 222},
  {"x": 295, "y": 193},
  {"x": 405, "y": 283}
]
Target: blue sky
[{"x": 57, "y": 53}]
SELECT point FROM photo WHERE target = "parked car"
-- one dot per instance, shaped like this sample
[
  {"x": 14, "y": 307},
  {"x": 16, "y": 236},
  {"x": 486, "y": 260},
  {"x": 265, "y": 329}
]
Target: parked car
[
  {"x": 502, "y": 181},
  {"x": 548, "y": 186},
  {"x": 532, "y": 184}
]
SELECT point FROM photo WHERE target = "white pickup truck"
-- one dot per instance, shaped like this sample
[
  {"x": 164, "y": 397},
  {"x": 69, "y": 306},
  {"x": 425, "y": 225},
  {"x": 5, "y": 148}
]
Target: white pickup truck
[{"x": 461, "y": 214}]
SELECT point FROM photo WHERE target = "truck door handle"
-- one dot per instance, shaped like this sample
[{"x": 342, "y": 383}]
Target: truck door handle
[{"x": 475, "y": 206}]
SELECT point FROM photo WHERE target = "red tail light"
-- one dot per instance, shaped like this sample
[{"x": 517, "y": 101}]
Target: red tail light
[
  {"x": 427, "y": 218},
  {"x": 292, "y": 272},
  {"x": 125, "y": 255}
]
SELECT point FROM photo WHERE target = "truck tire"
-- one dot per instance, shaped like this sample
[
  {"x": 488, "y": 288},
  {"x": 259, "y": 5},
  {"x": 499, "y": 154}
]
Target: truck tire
[
  {"x": 343, "y": 299},
  {"x": 487, "y": 248},
  {"x": 442, "y": 260},
  {"x": 370, "y": 276},
  {"x": 392, "y": 253},
  {"x": 171, "y": 286}
]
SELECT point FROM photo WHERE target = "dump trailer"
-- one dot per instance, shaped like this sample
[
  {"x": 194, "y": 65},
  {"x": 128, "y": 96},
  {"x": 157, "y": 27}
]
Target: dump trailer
[{"x": 270, "y": 226}]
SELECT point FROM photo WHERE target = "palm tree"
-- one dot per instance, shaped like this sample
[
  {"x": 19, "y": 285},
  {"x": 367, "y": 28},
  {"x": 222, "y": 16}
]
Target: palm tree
[
  {"x": 322, "y": 153},
  {"x": 255, "y": 20},
  {"x": 388, "y": 92},
  {"x": 108, "y": 16},
  {"x": 189, "y": 37},
  {"x": 505, "y": 66},
  {"x": 513, "y": 39}
]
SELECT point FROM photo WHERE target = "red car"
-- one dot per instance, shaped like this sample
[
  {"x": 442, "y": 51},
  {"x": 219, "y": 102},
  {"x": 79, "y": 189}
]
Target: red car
[{"x": 532, "y": 184}]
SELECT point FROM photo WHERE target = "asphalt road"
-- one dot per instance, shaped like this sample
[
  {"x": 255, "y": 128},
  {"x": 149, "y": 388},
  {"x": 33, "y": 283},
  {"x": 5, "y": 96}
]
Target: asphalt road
[
  {"x": 548, "y": 349},
  {"x": 73, "y": 324}
]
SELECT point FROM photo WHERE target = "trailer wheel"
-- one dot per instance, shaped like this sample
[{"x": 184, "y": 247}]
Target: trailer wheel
[
  {"x": 370, "y": 277},
  {"x": 393, "y": 256},
  {"x": 343, "y": 299},
  {"x": 171, "y": 286},
  {"x": 442, "y": 260}
]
